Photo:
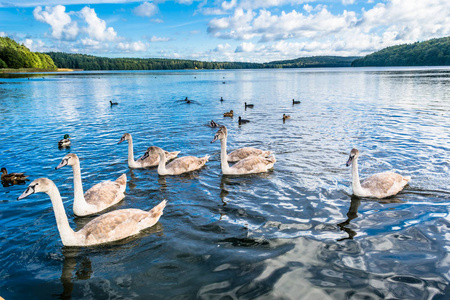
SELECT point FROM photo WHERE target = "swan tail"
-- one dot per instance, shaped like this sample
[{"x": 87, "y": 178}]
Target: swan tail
[
  {"x": 157, "y": 211},
  {"x": 407, "y": 178},
  {"x": 206, "y": 158},
  {"x": 122, "y": 180}
]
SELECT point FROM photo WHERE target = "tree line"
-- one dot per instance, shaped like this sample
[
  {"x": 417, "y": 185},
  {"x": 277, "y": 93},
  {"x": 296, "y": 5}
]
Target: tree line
[
  {"x": 15, "y": 56},
  {"x": 434, "y": 52}
]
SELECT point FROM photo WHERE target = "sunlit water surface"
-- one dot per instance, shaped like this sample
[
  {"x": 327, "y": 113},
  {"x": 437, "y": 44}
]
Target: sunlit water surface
[{"x": 295, "y": 232}]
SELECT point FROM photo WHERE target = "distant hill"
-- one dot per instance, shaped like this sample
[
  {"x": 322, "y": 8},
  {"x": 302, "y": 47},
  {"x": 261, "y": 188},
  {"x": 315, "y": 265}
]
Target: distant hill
[
  {"x": 314, "y": 62},
  {"x": 434, "y": 52},
  {"x": 15, "y": 56}
]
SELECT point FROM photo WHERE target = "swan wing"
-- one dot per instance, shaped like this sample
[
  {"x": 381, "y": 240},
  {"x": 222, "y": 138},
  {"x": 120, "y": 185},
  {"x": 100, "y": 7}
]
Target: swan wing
[
  {"x": 150, "y": 161},
  {"x": 385, "y": 184},
  {"x": 104, "y": 194},
  {"x": 242, "y": 153},
  {"x": 112, "y": 226},
  {"x": 186, "y": 164},
  {"x": 253, "y": 164}
]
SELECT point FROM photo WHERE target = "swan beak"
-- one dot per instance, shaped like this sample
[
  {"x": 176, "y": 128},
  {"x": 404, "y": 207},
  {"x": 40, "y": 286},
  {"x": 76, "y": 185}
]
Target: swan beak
[
  {"x": 63, "y": 163},
  {"x": 145, "y": 155},
  {"x": 216, "y": 137},
  {"x": 29, "y": 191},
  {"x": 349, "y": 161},
  {"x": 121, "y": 140}
]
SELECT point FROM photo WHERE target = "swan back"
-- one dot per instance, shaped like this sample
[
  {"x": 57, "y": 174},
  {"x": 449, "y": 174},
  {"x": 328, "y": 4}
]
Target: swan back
[{"x": 253, "y": 164}]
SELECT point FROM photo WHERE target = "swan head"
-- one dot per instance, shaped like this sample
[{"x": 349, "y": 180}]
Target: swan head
[
  {"x": 40, "y": 185},
  {"x": 354, "y": 154},
  {"x": 220, "y": 134},
  {"x": 125, "y": 137},
  {"x": 69, "y": 160},
  {"x": 152, "y": 150}
]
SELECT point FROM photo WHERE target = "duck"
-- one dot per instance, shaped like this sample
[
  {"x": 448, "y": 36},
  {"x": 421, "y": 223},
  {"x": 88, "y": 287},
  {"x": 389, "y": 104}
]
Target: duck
[
  {"x": 249, "y": 165},
  {"x": 12, "y": 177},
  {"x": 113, "y": 103},
  {"x": 295, "y": 102},
  {"x": 241, "y": 153},
  {"x": 213, "y": 124},
  {"x": 65, "y": 142},
  {"x": 229, "y": 114},
  {"x": 380, "y": 185},
  {"x": 221, "y": 99},
  {"x": 99, "y": 197},
  {"x": 285, "y": 117},
  {"x": 178, "y": 166},
  {"x": 110, "y": 227},
  {"x": 150, "y": 161},
  {"x": 248, "y": 105},
  {"x": 242, "y": 121}
]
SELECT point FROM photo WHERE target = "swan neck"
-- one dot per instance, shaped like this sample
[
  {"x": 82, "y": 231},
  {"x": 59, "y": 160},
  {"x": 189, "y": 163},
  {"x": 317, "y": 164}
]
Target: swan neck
[
  {"x": 131, "y": 162},
  {"x": 162, "y": 163},
  {"x": 77, "y": 184},
  {"x": 223, "y": 155},
  {"x": 356, "y": 185},
  {"x": 65, "y": 231}
]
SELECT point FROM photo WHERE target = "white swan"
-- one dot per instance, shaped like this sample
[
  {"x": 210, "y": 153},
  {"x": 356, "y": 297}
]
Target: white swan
[
  {"x": 245, "y": 152},
  {"x": 178, "y": 166},
  {"x": 97, "y": 198},
  {"x": 249, "y": 165},
  {"x": 379, "y": 185},
  {"x": 150, "y": 161},
  {"x": 113, "y": 226}
]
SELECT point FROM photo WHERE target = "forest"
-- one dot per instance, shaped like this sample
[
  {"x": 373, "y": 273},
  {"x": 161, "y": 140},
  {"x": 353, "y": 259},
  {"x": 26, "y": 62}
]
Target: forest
[
  {"x": 434, "y": 52},
  {"x": 15, "y": 56},
  {"x": 89, "y": 62}
]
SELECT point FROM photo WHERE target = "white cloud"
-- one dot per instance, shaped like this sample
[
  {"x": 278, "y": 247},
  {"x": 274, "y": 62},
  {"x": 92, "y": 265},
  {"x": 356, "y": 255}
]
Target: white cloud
[
  {"x": 228, "y": 5},
  {"x": 2, "y": 34},
  {"x": 34, "y": 45},
  {"x": 245, "y": 47},
  {"x": 61, "y": 23},
  {"x": 157, "y": 21},
  {"x": 155, "y": 39},
  {"x": 132, "y": 47},
  {"x": 96, "y": 28},
  {"x": 348, "y": 2},
  {"x": 223, "y": 48},
  {"x": 146, "y": 9}
]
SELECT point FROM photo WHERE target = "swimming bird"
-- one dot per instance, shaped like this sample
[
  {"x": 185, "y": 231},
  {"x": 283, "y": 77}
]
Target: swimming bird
[
  {"x": 12, "y": 177},
  {"x": 248, "y": 105},
  {"x": 213, "y": 124},
  {"x": 97, "y": 198},
  {"x": 285, "y": 117},
  {"x": 295, "y": 102},
  {"x": 249, "y": 165},
  {"x": 65, "y": 142},
  {"x": 229, "y": 114},
  {"x": 113, "y": 103},
  {"x": 380, "y": 185},
  {"x": 178, "y": 166},
  {"x": 242, "y": 121},
  {"x": 150, "y": 161},
  {"x": 221, "y": 99},
  {"x": 241, "y": 153},
  {"x": 113, "y": 226}
]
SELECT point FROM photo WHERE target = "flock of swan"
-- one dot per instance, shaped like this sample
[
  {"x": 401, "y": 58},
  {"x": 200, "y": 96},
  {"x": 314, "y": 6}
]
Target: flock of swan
[{"x": 123, "y": 223}]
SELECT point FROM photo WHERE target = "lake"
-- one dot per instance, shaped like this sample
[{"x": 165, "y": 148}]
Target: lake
[{"x": 293, "y": 233}]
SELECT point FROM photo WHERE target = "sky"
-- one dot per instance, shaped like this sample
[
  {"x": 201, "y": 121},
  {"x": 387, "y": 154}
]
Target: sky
[{"x": 217, "y": 30}]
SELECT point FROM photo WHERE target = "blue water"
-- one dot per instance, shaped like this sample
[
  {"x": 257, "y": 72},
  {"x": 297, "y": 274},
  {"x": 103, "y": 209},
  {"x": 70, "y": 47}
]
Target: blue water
[{"x": 295, "y": 232}]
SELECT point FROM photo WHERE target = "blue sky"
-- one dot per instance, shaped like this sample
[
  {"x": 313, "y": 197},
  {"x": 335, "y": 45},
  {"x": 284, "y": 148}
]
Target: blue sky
[{"x": 217, "y": 30}]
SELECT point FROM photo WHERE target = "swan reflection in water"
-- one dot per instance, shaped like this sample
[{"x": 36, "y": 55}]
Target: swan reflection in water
[
  {"x": 353, "y": 214},
  {"x": 77, "y": 264}
]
